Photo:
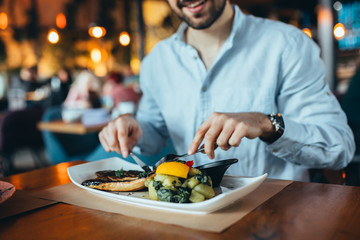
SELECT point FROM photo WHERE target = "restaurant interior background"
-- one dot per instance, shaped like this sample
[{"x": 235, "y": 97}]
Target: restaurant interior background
[{"x": 114, "y": 35}]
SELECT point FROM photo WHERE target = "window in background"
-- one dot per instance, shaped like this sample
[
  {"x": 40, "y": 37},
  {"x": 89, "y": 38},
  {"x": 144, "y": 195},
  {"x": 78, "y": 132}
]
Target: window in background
[{"x": 349, "y": 16}]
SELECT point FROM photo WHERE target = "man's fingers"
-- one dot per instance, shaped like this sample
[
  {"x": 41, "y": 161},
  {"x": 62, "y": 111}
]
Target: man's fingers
[
  {"x": 210, "y": 138},
  {"x": 236, "y": 137},
  {"x": 134, "y": 138},
  {"x": 103, "y": 142},
  {"x": 121, "y": 135},
  {"x": 123, "y": 139},
  {"x": 223, "y": 138},
  {"x": 199, "y": 136},
  {"x": 110, "y": 136}
]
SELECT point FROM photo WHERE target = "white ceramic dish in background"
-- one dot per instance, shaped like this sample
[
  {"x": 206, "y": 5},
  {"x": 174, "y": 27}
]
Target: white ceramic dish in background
[
  {"x": 231, "y": 188},
  {"x": 71, "y": 115}
]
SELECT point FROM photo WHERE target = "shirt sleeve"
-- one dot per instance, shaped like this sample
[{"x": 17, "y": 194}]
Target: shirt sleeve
[
  {"x": 316, "y": 131},
  {"x": 155, "y": 133}
]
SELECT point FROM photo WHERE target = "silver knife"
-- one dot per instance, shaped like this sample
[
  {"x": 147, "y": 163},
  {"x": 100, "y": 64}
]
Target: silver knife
[{"x": 140, "y": 162}]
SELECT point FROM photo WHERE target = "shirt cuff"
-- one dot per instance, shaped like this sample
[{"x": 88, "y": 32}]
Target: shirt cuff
[{"x": 290, "y": 143}]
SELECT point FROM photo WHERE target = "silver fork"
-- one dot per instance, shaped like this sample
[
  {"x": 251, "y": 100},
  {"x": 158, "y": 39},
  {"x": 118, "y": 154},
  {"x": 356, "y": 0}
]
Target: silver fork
[{"x": 173, "y": 157}]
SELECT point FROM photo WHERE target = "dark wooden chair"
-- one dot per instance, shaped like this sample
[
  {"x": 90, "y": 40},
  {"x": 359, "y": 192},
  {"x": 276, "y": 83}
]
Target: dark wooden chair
[{"x": 18, "y": 131}]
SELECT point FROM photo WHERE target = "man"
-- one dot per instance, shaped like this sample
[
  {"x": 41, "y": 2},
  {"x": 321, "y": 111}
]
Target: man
[{"x": 217, "y": 79}]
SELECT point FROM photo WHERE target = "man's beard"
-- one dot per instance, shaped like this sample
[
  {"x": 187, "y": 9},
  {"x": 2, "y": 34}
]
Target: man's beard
[{"x": 214, "y": 13}]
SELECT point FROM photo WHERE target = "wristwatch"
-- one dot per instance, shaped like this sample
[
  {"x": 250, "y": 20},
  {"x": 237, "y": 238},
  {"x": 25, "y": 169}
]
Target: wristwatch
[{"x": 279, "y": 127}]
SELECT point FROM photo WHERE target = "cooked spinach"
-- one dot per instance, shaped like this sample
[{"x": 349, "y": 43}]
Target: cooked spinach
[
  {"x": 165, "y": 194},
  {"x": 203, "y": 178},
  {"x": 180, "y": 161},
  {"x": 181, "y": 195},
  {"x": 157, "y": 185}
]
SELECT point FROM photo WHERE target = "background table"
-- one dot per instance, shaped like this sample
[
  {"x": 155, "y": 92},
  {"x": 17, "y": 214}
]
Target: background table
[
  {"x": 72, "y": 128},
  {"x": 299, "y": 211}
]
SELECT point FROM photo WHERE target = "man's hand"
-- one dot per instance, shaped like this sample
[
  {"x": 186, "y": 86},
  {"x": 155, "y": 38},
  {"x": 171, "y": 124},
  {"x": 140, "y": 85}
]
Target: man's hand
[
  {"x": 121, "y": 135},
  {"x": 228, "y": 129}
]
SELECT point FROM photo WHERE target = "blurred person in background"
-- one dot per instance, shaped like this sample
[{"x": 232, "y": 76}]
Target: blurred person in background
[
  {"x": 60, "y": 86},
  {"x": 29, "y": 79},
  {"x": 84, "y": 95},
  {"x": 253, "y": 86},
  {"x": 118, "y": 97},
  {"x": 85, "y": 92},
  {"x": 3, "y": 91}
]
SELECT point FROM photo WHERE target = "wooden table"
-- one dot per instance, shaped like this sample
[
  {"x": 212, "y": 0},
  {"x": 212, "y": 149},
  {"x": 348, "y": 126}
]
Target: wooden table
[
  {"x": 70, "y": 128},
  {"x": 300, "y": 211}
]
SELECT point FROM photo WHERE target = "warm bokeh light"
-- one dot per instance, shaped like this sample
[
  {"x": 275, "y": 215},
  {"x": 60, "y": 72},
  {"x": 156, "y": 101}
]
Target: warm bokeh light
[
  {"x": 307, "y": 31},
  {"x": 97, "y": 32},
  {"x": 135, "y": 65},
  {"x": 53, "y": 36},
  {"x": 124, "y": 39},
  {"x": 339, "y": 31},
  {"x": 100, "y": 70},
  {"x": 3, "y": 21},
  {"x": 95, "y": 55},
  {"x": 61, "y": 21}
]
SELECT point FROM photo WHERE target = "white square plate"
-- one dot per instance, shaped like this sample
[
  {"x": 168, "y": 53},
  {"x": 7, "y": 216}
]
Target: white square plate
[{"x": 231, "y": 188}]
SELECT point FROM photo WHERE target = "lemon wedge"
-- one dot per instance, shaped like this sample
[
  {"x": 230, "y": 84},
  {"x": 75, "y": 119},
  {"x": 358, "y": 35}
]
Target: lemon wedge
[{"x": 177, "y": 169}]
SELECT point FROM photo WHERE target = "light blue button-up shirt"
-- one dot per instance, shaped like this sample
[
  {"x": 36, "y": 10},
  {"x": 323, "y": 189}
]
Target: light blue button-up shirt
[{"x": 264, "y": 66}]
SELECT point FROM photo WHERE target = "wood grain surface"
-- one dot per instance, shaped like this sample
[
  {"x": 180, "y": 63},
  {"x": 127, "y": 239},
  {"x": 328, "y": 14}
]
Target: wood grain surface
[
  {"x": 299, "y": 211},
  {"x": 69, "y": 128}
]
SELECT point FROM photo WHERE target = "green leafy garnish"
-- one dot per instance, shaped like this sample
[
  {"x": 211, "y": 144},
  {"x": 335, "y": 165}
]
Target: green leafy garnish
[
  {"x": 143, "y": 174},
  {"x": 119, "y": 173}
]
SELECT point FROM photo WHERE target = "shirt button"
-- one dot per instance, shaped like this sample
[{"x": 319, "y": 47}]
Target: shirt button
[
  {"x": 194, "y": 57},
  {"x": 204, "y": 89}
]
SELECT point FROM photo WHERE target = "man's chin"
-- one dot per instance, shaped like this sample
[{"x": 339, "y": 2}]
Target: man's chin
[{"x": 200, "y": 24}]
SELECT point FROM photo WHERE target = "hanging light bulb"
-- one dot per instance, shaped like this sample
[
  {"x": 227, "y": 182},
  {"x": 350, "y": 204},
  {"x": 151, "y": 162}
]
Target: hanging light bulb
[
  {"x": 339, "y": 31},
  {"x": 61, "y": 21},
  {"x": 97, "y": 32},
  {"x": 124, "y": 39},
  {"x": 53, "y": 36},
  {"x": 3, "y": 21}
]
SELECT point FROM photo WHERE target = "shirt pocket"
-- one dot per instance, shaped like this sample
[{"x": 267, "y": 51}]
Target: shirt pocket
[{"x": 244, "y": 100}]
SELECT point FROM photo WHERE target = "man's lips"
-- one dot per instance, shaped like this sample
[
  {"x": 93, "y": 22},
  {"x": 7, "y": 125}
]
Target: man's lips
[
  {"x": 191, "y": 4},
  {"x": 194, "y": 6}
]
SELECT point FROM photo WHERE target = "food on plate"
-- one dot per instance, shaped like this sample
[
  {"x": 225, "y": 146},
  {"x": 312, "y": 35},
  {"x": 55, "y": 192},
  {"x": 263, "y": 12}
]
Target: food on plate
[
  {"x": 119, "y": 180},
  {"x": 178, "y": 182},
  {"x": 177, "y": 169},
  {"x": 175, "y": 182}
]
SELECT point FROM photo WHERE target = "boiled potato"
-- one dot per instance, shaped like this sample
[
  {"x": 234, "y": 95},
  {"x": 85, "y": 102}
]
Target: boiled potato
[
  {"x": 152, "y": 191},
  {"x": 149, "y": 180},
  {"x": 167, "y": 180},
  {"x": 196, "y": 197},
  {"x": 192, "y": 182},
  {"x": 205, "y": 190},
  {"x": 193, "y": 171}
]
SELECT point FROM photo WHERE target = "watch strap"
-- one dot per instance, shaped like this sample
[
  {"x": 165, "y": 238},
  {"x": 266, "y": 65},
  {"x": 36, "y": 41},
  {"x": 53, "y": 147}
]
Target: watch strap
[{"x": 279, "y": 126}]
